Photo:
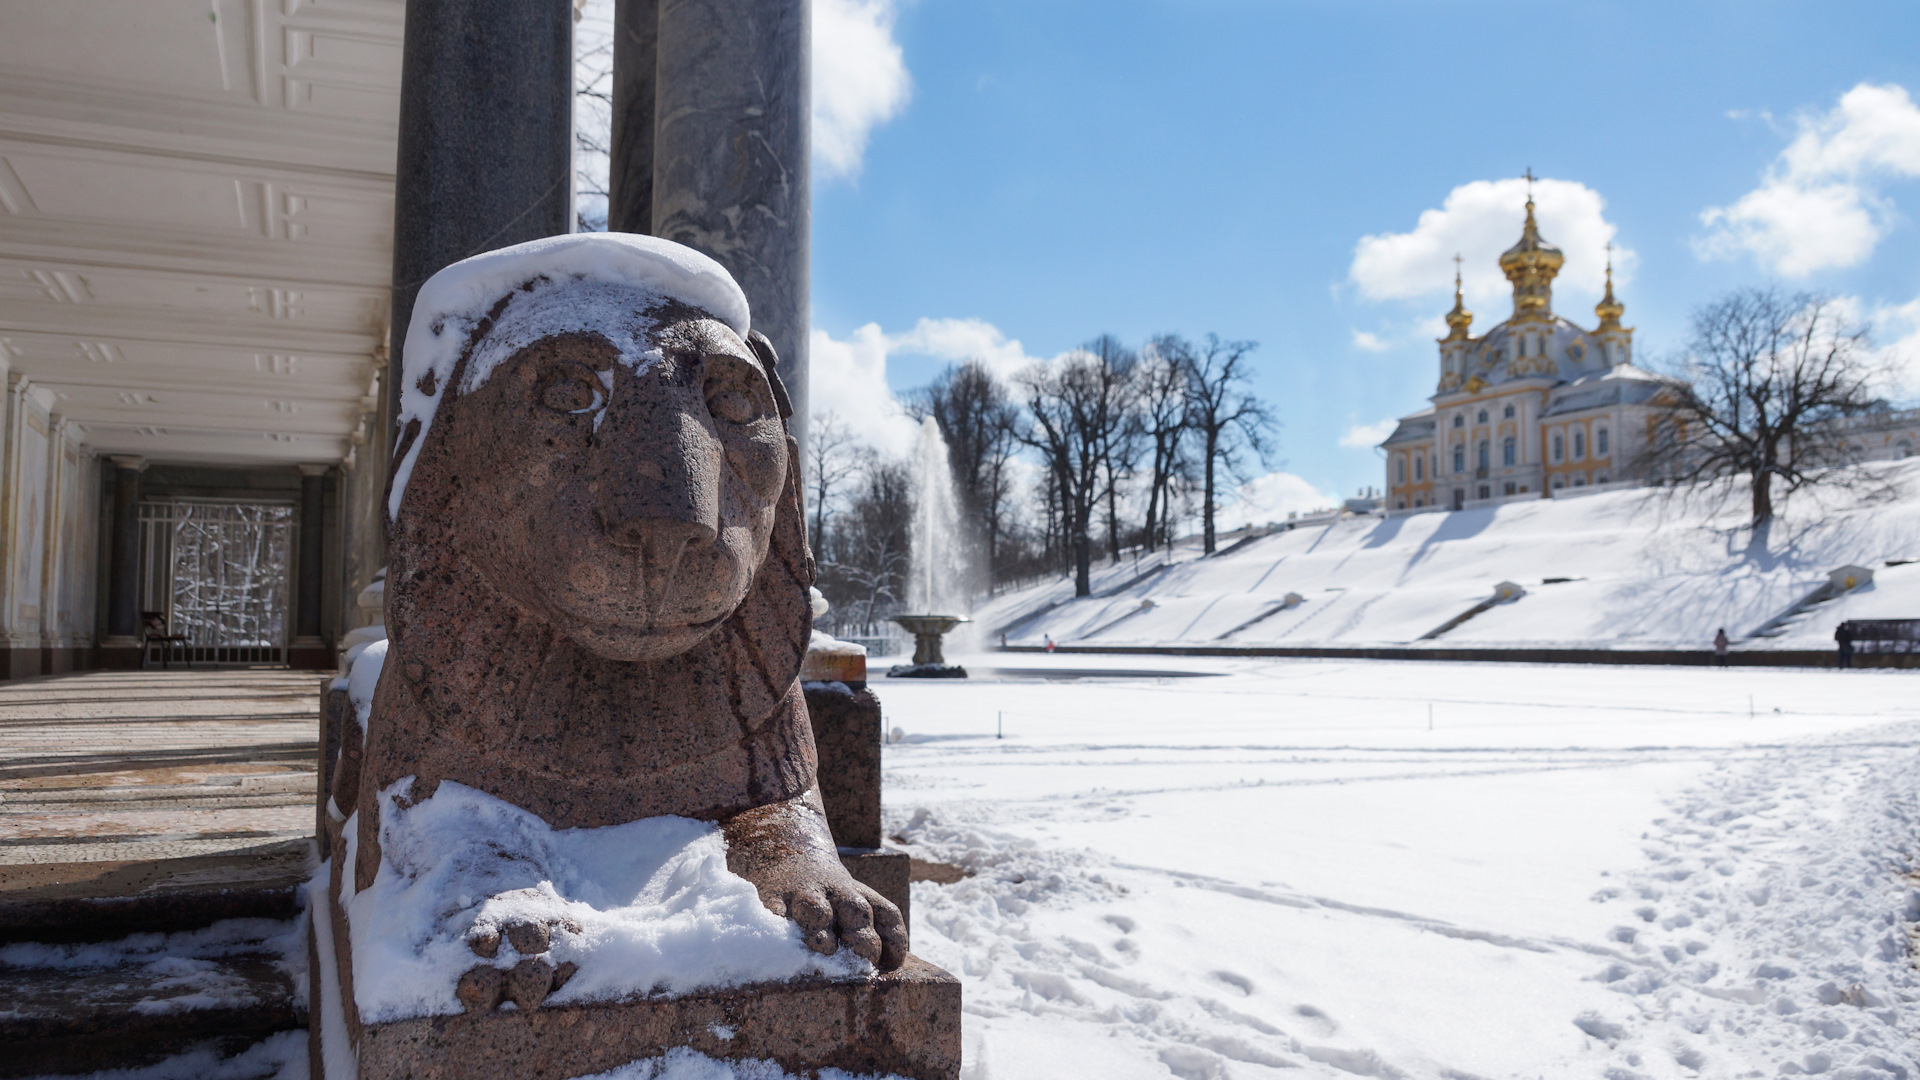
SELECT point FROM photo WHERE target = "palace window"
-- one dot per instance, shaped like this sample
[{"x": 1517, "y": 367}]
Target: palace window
[
  {"x": 1600, "y": 478},
  {"x": 1458, "y": 420},
  {"x": 1600, "y": 442},
  {"x": 1559, "y": 447},
  {"x": 1520, "y": 348},
  {"x": 1579, "y": 444},
  {"x": 1482, "y": 418},
  {"x": 1579, "y": 479},
  {"x": 1486, "y": 492},
  {"x": 1400, "y": 504},
  {"x": 1508, "y": 412},
  {"x": 1509, "y": 488},
  {"x": 1559, "y": 482},
  {"x": 1459, "y": 459},
  {"x": 1486, "y": 454},
  {"x": 1400, "y": 468},
  {"x": 1507, "y": 452},
  {"x": 1419, "y": 473}
]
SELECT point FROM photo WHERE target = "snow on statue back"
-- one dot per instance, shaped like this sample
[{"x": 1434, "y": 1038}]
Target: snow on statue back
[{"x": 597, "y": 601}]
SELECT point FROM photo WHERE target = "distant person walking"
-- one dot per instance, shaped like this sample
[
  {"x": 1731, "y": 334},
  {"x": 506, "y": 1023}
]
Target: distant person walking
[
  {"x": 1048, "y": 638},
  {"x": 1843, "y": 637},
  {"x": 1721, "y": 643}
]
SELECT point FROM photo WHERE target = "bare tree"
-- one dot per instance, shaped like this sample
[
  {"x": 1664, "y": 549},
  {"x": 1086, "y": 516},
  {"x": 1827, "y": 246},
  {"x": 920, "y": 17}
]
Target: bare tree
[
  {"x": 834, "y": 457},
  {"x": 872, "y": 551},
  {"x": 1074, "y": 404},
  {"x": 1160, "y": 416},
  {"x": 1226, "y": 419},
  {"x": 980, "y": 423},
  {"x": 1765, "y": 380},
  {"x": 1117, "y": 431},
  {"x": 592, "y": 112}
]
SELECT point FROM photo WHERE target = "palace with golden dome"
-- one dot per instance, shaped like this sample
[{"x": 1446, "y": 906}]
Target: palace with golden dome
[{"x": 1533, "y": 405}]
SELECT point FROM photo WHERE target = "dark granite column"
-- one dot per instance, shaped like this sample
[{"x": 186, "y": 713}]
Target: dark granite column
[
  {"x": 636, "y": 33},
  {"x": 311, "y": 559},
  {"x": 486, "y": 138},
  {"x": 123, "y": 561},
  {"x": 730, "y": 154}
]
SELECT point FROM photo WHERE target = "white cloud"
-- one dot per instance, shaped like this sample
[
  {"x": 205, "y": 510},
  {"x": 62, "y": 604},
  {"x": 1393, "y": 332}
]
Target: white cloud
[
  {"x": 850, "y": 376},
  {"x": 1367, "y": 436},
  {"x": 860, "y": 80},
  {"x": 1271, "y": 498},
  {"x": 960, "y": 340},
  {"x": 1478, "y": 221},
  {"x": 1369, "y": 341},
  {"x": 1898, "y": 326},
  {"x": 1819, "y": 206}
]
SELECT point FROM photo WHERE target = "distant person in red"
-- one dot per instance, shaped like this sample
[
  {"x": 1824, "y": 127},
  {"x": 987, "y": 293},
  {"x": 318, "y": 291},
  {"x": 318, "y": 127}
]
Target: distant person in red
[
  {"x": 1720, "y": 646},
  {"x": 1843, "y": 637},
  {"x": 1048, "y": 638}
]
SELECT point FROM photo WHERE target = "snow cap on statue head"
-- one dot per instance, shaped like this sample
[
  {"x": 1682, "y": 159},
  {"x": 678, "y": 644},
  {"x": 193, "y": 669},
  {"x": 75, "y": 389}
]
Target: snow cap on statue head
[{"x": 500, "y": 302}]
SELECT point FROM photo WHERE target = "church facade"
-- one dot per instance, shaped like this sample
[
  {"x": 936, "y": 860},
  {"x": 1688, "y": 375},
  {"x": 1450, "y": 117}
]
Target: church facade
[{"x": 1534, "y": 405}]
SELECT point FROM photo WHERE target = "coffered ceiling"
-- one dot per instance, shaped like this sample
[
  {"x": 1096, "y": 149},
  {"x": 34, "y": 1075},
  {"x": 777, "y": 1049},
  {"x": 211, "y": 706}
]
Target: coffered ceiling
[{"x": 196, "y": 214}]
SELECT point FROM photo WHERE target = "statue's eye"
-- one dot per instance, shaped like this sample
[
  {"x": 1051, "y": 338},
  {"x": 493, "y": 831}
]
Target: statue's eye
[
  {"x": 570, "y": 391},
  {"x": 732, "y": 406},
  {"x": 730, "y": 389}
]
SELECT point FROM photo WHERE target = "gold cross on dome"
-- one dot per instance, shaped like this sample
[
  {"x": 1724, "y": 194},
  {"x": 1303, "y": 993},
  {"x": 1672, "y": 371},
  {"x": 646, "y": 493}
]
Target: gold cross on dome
[{"x": 1529, "y": 175}]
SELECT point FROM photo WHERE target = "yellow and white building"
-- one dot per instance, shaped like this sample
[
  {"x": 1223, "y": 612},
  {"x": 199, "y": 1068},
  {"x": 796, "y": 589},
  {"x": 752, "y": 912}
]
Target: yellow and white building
[{"x": 1534, "y": 405}]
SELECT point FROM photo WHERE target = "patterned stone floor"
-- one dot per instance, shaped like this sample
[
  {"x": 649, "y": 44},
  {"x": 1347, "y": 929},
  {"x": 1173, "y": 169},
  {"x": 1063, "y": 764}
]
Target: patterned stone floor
[{"x": 142, "y": 765}]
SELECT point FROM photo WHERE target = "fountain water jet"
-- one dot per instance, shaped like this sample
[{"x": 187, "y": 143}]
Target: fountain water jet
[{"x": 940, "y": 577}]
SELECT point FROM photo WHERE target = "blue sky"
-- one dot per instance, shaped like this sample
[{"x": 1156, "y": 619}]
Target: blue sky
[{"x": 1035, "y": 172}]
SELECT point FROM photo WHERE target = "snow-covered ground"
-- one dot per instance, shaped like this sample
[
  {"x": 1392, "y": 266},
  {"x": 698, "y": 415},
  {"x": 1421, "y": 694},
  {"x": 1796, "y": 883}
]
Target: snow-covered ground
[
  {"x": 1640, "y": 569},
  {"x": 1211, "y": 869},
  {"x": 1282, "y": 870}
]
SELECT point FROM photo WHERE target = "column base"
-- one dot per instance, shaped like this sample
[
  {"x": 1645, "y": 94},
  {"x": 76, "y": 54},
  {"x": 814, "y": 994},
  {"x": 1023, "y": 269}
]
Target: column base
[{"x": 310, "y": 654}]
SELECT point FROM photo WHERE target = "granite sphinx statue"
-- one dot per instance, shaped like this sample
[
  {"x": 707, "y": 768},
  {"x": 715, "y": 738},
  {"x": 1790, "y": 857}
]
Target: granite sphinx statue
[{"x": 597, "y": 596}]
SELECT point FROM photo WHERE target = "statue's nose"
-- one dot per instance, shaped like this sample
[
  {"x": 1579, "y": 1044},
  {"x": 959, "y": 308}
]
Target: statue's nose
[{"x": 659, "y": 482}]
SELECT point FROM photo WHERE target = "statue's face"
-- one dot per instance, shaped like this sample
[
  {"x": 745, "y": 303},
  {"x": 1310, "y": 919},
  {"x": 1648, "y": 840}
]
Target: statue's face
[{"x": 631, "y": 511}]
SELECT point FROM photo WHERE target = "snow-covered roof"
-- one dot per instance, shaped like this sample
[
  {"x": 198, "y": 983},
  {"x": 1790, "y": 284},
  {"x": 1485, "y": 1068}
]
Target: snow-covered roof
[
  {"x": 1622, "y": 385},
  {"x": 1414, "y": 428}
]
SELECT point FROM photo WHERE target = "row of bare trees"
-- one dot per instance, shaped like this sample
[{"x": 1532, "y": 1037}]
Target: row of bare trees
[{"x": 1104, "y": 448}]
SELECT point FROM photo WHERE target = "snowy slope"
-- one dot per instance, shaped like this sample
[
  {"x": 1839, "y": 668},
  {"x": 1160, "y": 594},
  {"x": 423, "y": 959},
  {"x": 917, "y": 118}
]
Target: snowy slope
[{"x": 1649, "y": 570}]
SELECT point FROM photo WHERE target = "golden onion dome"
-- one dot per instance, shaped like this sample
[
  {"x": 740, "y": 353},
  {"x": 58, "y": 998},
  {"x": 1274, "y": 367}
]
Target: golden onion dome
[
  {"x": 1608, "y": 308},
  {"x": 1531, "y": 265},
  {"x": 1459, "y": 318}
]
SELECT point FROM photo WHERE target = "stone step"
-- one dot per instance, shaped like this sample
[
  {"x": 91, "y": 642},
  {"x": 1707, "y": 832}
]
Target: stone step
[
  {"x": 104, "y": 901},
  {"x": 68, "y": 1020}
]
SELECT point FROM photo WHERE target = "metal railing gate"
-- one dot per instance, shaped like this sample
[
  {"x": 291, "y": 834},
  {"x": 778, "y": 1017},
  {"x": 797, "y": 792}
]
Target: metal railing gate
[{"x": 215, "y": 581}]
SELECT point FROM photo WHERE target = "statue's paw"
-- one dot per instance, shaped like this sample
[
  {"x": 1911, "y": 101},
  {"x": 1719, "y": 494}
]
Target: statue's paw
[
  {"x": 529, "y": 937},
  {"x": 485, "y": 987},
  {"x": 837, "y": 913},
  {"x": 787, "y": 851}
]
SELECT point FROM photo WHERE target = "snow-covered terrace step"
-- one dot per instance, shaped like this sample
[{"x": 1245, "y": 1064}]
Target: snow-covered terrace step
[
  {"x": 102, "y": 901},
  {"x": 125, "y": 1004}
]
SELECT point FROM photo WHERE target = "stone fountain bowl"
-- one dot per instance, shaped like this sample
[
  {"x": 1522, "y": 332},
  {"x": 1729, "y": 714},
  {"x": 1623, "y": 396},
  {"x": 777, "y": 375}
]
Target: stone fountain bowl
[
  {"x": 929, "y": 624},
  {"x": 928, "y": 660}
]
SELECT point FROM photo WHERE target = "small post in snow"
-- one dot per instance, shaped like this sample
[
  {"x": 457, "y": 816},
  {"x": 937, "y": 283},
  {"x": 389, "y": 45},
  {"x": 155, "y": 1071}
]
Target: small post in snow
[{"x": 1000, "y": 725}]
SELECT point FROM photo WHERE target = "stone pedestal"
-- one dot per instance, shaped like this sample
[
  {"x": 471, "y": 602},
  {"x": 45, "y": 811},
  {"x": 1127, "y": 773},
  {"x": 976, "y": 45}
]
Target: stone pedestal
[
  {"x": 847, "y": 733},
  {"x": 904, "y": 1022}
]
